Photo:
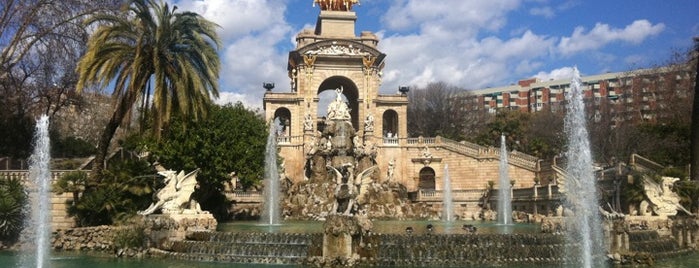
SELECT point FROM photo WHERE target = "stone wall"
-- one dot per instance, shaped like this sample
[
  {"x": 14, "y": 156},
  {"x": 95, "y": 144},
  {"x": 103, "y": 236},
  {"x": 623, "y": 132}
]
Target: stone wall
[{"x": 97, "y": 238}]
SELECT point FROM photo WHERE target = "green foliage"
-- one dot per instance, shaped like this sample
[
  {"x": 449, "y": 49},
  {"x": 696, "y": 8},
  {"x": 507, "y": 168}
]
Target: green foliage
[
  {"x": 689, "y": 194},
  {"x": 150, "y": 50},
  {"x": 667, "y": 143},
  {"x": 12, "y": 200},
  {"x": 632, "y": 191},
  {"x": 126, "y": 187},
  {"x": 131, "y": 236},
  {"x": 674, "y": 172},
  {"x": 16, "y": 132},
  {"x": 232, "y": 138},
  {"x": 71, "y": 147},
  {"x": 536, "y": 134}
]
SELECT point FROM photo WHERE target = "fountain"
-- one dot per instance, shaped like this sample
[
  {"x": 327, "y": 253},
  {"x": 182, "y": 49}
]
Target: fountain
[
  {"x": 270, "y": 211},
  {"x": 504, "y": 196},
  {"x": 36, "y": 239},
  {"x": 448, "y": 213},
  {"x": 585, "y": 226}
]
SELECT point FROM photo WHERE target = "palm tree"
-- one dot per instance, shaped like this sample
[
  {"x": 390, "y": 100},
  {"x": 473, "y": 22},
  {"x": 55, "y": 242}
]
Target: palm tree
[{"x": 150, "y": 46}]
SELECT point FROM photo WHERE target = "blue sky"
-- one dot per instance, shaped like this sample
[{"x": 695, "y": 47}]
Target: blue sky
[{"x": 469, "y": 43}]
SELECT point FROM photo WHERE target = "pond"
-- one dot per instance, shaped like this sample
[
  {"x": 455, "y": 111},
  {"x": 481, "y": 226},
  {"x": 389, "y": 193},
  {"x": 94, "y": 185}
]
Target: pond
[{"x": 67, "y": 260}]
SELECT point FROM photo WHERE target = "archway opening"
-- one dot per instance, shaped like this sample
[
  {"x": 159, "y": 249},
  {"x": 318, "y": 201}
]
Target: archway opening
[
  {"x": 350, "y": 94},
  {"x": 390, "y": 124},
  {"x": 282, "y": 122},
  {"x": 427, "y": 179}
]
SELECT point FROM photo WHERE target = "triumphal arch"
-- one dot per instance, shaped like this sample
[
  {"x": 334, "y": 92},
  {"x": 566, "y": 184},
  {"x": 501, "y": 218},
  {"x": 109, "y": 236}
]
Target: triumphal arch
[{"x": 333, "y": 58}]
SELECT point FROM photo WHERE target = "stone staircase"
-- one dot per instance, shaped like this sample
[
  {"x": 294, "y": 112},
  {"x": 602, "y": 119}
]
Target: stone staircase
[{"x": 481, "y": 152}]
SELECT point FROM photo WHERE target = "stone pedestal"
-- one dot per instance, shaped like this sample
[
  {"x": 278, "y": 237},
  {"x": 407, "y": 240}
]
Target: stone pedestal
[{"x": 162, "y": 229}]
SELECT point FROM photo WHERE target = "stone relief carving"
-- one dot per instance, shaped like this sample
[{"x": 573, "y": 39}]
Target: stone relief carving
[
  {"x": 176, "y": 196},
  {"x": 335, "y": 50}
]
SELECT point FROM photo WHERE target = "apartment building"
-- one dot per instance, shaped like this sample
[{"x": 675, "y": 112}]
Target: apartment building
[{"x": 639, "y": 95}]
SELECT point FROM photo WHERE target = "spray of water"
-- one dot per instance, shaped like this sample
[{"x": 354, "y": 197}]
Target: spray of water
[
  {"x": 270, "y": 211},
  {"x": 38, "y": 226},
  {"x": 448, "y": 213},
  {"x": 585, "y": 226},
  {"x": 504, "y": 197}
]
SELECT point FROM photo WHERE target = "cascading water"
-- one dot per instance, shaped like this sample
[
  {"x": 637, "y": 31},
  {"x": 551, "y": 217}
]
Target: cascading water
[
  {"x": 504, "y": 197},
  {"x": 38, "y": 226},
  {"x": 585, "y": 225},
  {"x": 270, "y": 211},
  {"x": 448, "y": 213}
]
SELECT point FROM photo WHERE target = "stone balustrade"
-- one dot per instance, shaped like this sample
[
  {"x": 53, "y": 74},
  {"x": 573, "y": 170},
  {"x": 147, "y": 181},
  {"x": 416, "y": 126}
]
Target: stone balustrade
[
  {"x": 245, "y": 196},
  {"x": 457, "y": 195}
]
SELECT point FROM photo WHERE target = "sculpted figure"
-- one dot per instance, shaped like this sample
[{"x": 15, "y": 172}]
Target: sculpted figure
[
  {"x": 176, "y": 196},
  {"x": 308, "y": 122},
  {"x": 338, "y": 110},
  {"x": 335, "y": 5},
  {"x": 350, "y": 190},
  {"x": 662, "y": 200},
  {"x": 391, "y": 169},
  {"x": 369, "y": 123}
]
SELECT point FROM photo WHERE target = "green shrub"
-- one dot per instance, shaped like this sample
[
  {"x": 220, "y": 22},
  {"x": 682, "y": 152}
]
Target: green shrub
[
  {"x": 12, "y": 201},
  {"x": 127, "y": 186}
]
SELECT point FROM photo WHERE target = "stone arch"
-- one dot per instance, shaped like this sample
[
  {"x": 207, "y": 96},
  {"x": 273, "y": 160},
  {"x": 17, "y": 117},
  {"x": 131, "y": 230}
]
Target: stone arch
[
  {"x": 282, "y": 117},
  {"x": 390, "y": 123},
  {"x": 350, "y": 91},
  {"x": 427, "y": 179}
]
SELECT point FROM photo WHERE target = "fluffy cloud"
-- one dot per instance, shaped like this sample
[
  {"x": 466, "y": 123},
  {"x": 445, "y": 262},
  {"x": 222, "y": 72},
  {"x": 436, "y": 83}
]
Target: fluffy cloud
[
  {"x": 561, "y": 73},
  {"x": 458, "y": 55},
  {"x": 603, "y": 34},
  {"x": 251, "y": 31}
]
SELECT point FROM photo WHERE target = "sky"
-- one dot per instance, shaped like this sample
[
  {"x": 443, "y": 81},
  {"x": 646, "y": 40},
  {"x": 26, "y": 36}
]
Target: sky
[{"x": 472, "y": 44}]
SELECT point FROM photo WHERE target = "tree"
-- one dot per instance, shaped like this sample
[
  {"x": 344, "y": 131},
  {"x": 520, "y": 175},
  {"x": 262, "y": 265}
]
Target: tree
[
  {"x": 435, "y": 101},
  {"x": 231, "y": 139},
  {"x": 150, "y": 47},
  {"x": 41, "y": 42},
  {"x": 694, "y": 174}
]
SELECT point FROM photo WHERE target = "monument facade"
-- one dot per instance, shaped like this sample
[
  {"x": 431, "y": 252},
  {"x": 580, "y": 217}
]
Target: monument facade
[{"x": 332, "y": 57}]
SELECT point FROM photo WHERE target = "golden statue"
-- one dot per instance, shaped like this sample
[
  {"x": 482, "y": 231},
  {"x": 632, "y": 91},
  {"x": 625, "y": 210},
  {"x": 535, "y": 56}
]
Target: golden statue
[{"x": 335, "y": 5}]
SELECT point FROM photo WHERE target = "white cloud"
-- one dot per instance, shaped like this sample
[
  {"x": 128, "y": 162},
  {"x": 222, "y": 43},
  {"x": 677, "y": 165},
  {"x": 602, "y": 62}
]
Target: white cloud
[
  {"x": 603, "y": 34},
  {"x": 560, "y": 73},
  {"x": 238, "y": 18},
  {"x": 251, "y": 31},
  {"x": 454, "y": 15}
]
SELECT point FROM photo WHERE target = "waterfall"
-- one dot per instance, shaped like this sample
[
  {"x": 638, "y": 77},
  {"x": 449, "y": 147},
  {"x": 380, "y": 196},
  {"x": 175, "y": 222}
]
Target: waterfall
[
  {"x": 585, "y": 225},
  {"x": 35, "y": 237},
  {"x": 270, "y": 211},
  {"x": 448, "y": 212},
  {"x": 504, "y": 193}
]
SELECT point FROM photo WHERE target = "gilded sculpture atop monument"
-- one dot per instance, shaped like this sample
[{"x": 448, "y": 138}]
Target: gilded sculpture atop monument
[{"x": 336, "y": 5}]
